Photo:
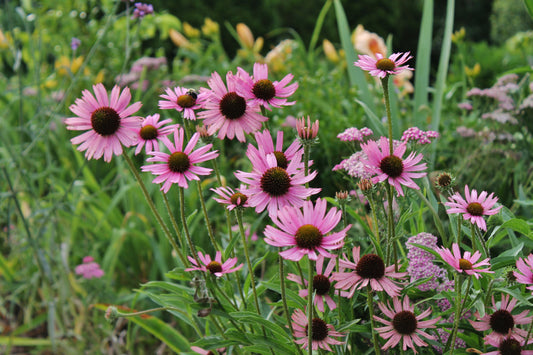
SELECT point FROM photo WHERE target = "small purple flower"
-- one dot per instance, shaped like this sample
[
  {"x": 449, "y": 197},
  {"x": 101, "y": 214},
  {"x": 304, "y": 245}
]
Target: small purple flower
[
  {"x": 416, "y": 135},
  {"x": 421, "y": 262},
  {"x": 354, "y": 134},
  {"x": 142, "y": 10},
  {"x": 465, "y": 106},
  {"x": 74, "y": 43},
  {"x": 89, "y": 269}
]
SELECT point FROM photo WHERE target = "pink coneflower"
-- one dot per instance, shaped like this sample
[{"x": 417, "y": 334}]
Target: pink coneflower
[
  {"x": 272, "y": 187},
  {"x": 307, "y": 131},
  {"x": 367, "y": 270},
  {"x": 393, "y": 168},
  {"x": 178, "y": 166},
  {"x": 228, "y": 112},
  {"x": 307, "y": 232},
  {"x": 108, "y": 121},
  {"x": 502, "y": 322},
  {"x": 151, "y": 131},
  {"x": 321, "y": 332},
  {"x": 467, "y": 263},
  {"x": 89, "y": 269},
  {"x": 263, "y": 91},
  {"x": 404, "y": 325},
  {"x": 265, "y": 146},
  {"x": 475, "y": 207},
  {"x": 215, "y": 267},
  {"x": 509, "y": 345},
  {"x": 233, "y": 199},
  {"x": 382, "y": 67},
  {"x": 524, "y": 275},
  {"x": 183, "y": 100},
  {"x": 321, "y": 284}
]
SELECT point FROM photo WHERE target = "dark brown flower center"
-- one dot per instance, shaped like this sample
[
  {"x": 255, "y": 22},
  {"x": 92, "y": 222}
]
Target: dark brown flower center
[
  {"x": 281, "y": 159},
  {"x": 214, "y": 266},
  {"x": 186, "y": 100},
  {"x": 264, "y": 89},
  {"x": 392, "y": 166},
  {"x": 510, "y": 346},
  {"x": 275, "y": 181},
  {"x": 321, "y": 285},
  {"x": 308, "y": 237},
  {"x": 148, "y": 132},
  {"x": 105, "y": 121},
  {"x": 444, "y": 180},
  {"x": 475, "y": 209},
  {"x": 238, "y": 199},
  {"x": 319, "y": 329},
  {"x": 404, "y": 322},
  {"x": 385, "y": 64},
  {"x": 465, "y": 264},
  {"x": 232, "y": 106},
  {"x": 501, "y": 321},
  {"x": 178, "y": 162},
  {"x": 370, "y": 266}
]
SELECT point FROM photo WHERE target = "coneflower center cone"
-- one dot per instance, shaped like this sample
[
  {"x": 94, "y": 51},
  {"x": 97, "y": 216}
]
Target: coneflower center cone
[
  {"x": 321, "y": 285},
  {"x": 281, "y": 159},
  {"x": 404, "y": 322},
  {"x": 392, "y": 166},
  {"x": 105, "y": 121},
  {"x": 308, "y": 237},
  {"x": 238, "y": 199},
  {"x": 475, "y": 209},
  {"x": 214, "y": 266},
  {"x": 501, "y": 321},
  {"x": 465, "y": 264},
  {"x": 186, "y": 101},
  {"x": 319, "y": 329},
  {"x": 232, "y": 106},
  {"x": 264, "y": 89},
  {"x": 370, "y": 266},
  {"x": 510, "y": 346},
  {"x": 275, "y": 181},
  {"x": 385, "y": 64},
  {"x": 148, "y": 132},
  {"x": 178, "y": 162}
]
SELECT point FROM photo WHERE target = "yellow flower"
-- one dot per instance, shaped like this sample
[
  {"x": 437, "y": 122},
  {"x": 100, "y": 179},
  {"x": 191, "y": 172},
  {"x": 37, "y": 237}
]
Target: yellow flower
[
  {"x": 190, "y": 31},
  {"x": 178, "y": 39},
  {"x": 4, "y": 40},
  {"x": 210, "y": 27},
  {"x": 330, "y": 51},
  {"x": 458, "y": 36},
  {"x": 280, "y": 54},
  {"x": 245, "y": 35},
  {"x": 473, "y": 72},
  {"x": 65, "y": 67},
  {"x": 99, "y": 77}
]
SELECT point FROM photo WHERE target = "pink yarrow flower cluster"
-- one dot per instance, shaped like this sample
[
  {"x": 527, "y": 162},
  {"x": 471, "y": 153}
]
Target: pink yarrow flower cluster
[
  {"x": 354, "y": 134},
  {"x": 421, "y": 262},
  {"x": 89, "y": 269},
  {"x": 415, "y": 134}
]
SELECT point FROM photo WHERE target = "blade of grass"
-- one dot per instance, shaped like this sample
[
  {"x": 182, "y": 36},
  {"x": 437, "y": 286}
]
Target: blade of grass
[{"x": 423, "y": 63}]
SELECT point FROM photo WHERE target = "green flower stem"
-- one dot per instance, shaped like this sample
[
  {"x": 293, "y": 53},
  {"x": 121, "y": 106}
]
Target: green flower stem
[
  {"x": 181, "y": 194},
  {"x": 264, "y": 113},
  {"x": 370, "y": 303},
  {"x": 238, "y": 213},
  {"x": 385, "y": 84},
  {"x": 529, "y": 333},
  {"x": 154, "y": 210},
  {"x": 284, "y": 298},
  {"x": 374, "y": 220},
  {"x": 477, "y": 233},
  {"x": 206, "y": 217},
  {"x": 310, "y": 307},
  {"x": 473, "y": 237},
  {"x": 172, "y": 219},
  {"x": 221, "y": 292},
  {"x": 390, "y": 227},
  {"x": 458, "y": 306}
]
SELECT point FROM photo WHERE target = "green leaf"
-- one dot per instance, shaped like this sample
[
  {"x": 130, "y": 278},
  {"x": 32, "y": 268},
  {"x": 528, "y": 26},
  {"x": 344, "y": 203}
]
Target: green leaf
[
  {"x": 529, "y": 7},
  {"x": 423, "y": 63},
  {"x": 162, "y": 331},
  {"x": 21, "y": 341},
  {"x": 255, "y": 319}
]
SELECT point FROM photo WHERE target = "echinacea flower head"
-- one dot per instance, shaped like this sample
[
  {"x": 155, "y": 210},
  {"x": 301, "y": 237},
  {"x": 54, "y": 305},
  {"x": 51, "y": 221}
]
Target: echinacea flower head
[
  {"x": 509, "y": 345},
  {"x": 272, "y": 187},
  {"x": 307, "y": 131},
  {"x": 107, "y": 120},
  {"x": 306, "y": 232},
  {"x": 215, "y": 267},
  {"x": 228, "y": 112},
  {"x": 502, "y": 322},
  {"x": 183, "y": 100},
  {"x": 263, "y": 91},
  {"x": 367, "y": 270},
  {"x": 404, "y": 325},
  {"x": 151, "y": 131},
  {"x": 89, "y": 269},
  {"x": 178, "y": 166},
  {"x": 321, "y": 284},
  {"x": 233, "y": 199},
  {"x": 393, "y": 168},
  {"x": 321, "y": 332},
  {"x": 467, "y": 263},
  {"x": 473, "y": 207},
  {"x": 382, "y": 67},
  {"x": 265, "y": 146},
  {"x": 524, "y": 275}
]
